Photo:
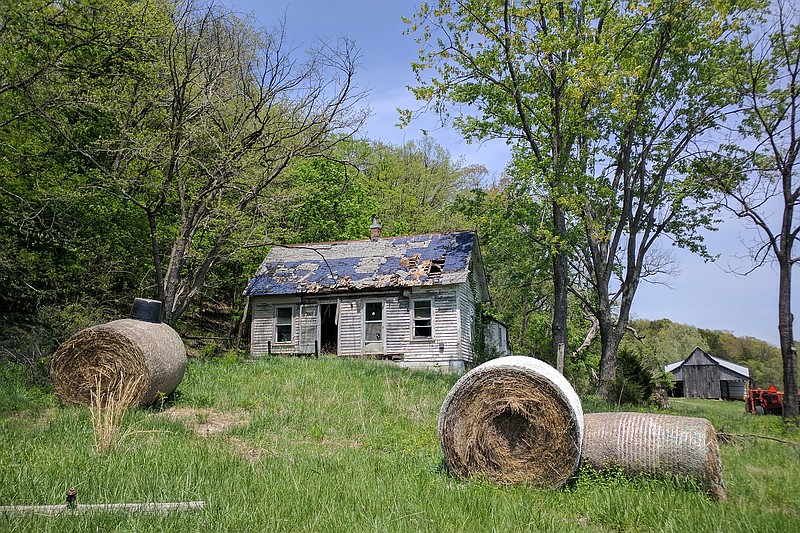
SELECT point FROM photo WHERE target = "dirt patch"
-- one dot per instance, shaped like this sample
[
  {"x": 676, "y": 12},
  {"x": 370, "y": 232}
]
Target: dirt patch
[
  {"x": 35, "y": 419},
  {"x": 207, "y": 422},
  {"x": 244, "y": 449}
]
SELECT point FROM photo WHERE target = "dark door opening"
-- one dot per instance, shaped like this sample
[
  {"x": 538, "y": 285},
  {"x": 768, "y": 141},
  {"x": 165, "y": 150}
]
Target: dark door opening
[{"x": 328, "y": 328}]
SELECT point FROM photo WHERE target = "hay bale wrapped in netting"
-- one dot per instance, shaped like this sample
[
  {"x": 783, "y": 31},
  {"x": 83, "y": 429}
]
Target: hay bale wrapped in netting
[
  {"x": 663, "y": 445},
  {"x": 513, "y": 420},
  {"x": 103, "y": 359}
]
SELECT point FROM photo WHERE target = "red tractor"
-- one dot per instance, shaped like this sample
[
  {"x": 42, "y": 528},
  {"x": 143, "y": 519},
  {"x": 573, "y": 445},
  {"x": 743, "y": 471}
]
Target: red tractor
[{"x": 760, "y": 401}]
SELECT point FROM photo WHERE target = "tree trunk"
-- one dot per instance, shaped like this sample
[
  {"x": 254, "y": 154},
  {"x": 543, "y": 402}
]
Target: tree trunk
[
  {"x": 609, "y": 343},
  {"x": 560, "y": 286},
  {"x": 156, "y": 255},
  {"x": 788, "y": 352}
]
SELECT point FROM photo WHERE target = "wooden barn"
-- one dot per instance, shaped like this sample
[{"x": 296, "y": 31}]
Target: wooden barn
[
  {"x": 415, "y": 300},
  {"x": 703, "y": 376}
]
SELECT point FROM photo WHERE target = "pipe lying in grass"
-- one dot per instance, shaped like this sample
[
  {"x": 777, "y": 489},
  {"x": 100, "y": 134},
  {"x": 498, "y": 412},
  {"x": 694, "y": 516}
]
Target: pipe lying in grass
[
  {"x": 56, "y": 510},
  {"x": 512, "y": 420}
]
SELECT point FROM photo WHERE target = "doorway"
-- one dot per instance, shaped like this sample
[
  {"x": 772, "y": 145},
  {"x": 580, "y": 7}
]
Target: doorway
[
  {"x": 373, "y": 328},
  {"x": 328, "y": 329}
]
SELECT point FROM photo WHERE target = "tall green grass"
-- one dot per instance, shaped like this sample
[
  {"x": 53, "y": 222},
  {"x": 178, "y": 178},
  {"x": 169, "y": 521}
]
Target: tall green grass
[{"x": 349, "y": 445}]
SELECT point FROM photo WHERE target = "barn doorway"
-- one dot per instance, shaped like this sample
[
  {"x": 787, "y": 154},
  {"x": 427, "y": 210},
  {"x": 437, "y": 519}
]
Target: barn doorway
[{"x": 328, "y": 329}]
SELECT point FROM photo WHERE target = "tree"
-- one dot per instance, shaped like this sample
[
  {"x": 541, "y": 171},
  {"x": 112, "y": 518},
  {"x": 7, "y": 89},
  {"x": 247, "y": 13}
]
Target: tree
[
  {"x": 209, "y": 113},
  {"x": 322, "y": 199},
  {"x": 674, "y": 58},
  {"x": 764, "y": 179},
  {"x": 487, "y": 58},
  {"x": 604, "y": 100},
  {"x": 57, "y": 230},
  {"x": 414, "y": 185}
]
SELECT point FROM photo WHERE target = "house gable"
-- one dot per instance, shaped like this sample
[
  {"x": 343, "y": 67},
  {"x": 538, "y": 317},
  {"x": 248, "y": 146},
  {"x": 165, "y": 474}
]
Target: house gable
[{"x": 728, "y": 370}]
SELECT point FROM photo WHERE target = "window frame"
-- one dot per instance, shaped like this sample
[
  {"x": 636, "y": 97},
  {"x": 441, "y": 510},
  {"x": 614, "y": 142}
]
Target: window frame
[
  {"x": 415, "y": 319},
  {"x": 278, "y": 324}
]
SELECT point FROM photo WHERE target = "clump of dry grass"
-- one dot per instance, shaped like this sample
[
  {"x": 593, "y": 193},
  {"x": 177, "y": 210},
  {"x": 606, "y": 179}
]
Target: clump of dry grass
[{"x": 108, "y": 408}]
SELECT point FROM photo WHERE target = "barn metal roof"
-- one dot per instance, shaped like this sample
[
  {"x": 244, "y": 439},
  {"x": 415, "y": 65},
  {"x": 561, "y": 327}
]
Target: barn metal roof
[
  {"x": 739, "y": 369},
  {"x": 390, "y": 262}
]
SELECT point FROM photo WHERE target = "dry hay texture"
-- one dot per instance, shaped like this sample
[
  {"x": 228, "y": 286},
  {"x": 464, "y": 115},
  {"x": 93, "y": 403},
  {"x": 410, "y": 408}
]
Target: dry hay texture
[
  {"x": 123, "y": 353},
  {"x": 512, "y": 420},
  {"x": 662, "y": 445}
]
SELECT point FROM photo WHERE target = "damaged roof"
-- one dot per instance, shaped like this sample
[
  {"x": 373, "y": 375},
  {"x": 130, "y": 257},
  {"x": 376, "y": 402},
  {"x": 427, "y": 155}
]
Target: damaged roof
[{"x": 390, "y": 262}]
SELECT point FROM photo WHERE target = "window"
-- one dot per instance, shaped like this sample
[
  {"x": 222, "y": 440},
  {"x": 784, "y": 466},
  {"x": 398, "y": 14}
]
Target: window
[
  {"x": 283, "y": 324},
  {"x": 373, "y": 321},
  {"x": 423, "y": 319}
]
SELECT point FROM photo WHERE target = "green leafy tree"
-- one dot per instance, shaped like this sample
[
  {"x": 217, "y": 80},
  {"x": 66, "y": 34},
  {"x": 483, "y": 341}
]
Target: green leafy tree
[
  {"x": 207, "y": 113},
  {"x": 519, "y": 275},
  {"x": 321, "y": 200},
  {"x": 634, "y": 382},
  {"x": 516, "y": 267},
  {"x": 604, "y": 102},
  {"x": 70, "y": 254},
  {"x": 57, "y": 228},
  {"x": 416, "y": 184},
  {"x": 490, "y": 82}
]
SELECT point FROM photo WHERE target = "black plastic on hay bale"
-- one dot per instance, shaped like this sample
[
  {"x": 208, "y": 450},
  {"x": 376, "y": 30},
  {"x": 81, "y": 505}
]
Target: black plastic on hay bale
[{"x": 146, "y": 310}]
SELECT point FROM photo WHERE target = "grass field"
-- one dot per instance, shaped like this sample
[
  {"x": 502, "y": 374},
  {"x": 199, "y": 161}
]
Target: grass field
[{"x": 344, "y": 445}]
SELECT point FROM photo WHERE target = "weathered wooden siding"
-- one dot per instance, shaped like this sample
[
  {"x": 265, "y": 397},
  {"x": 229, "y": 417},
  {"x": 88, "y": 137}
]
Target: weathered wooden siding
[
  {"x": 350, "y": 327},
  {"x": 733, "y": 390},
  {"x": 448, "y": 349},
  {"x": 496, "y": 338},
  {"x": 466, "y": 306},
  {"x": 443, "y": 347},
  {"x": 262, "y": 328},
  {"x": 701, "y": 381},
  {"x": 701, "y": 376},
  {"x": 396, "y": 314}
]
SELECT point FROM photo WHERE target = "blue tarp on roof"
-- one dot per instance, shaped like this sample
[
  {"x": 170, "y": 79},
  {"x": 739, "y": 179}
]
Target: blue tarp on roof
[{"x": 435, "y": 259}]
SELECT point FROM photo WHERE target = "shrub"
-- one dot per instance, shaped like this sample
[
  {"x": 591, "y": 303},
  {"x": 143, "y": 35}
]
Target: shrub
[{"x": 634, "y": 383}]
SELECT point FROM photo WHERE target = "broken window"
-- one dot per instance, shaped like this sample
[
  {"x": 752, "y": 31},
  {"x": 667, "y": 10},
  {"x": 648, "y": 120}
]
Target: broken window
[
  {"x": 283, "y": 324},
  {"x": 423, "y": 319}
]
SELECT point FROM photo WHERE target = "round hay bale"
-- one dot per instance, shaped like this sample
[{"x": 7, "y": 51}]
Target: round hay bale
[
  {"x": 149, "y": 357},
  {"x": 513, "y": 420},
  {"x": 663, "y": 445}
]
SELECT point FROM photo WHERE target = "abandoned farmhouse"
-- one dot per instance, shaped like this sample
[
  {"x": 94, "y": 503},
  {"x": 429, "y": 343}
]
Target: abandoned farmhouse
[{"x": 415, "y": 300}]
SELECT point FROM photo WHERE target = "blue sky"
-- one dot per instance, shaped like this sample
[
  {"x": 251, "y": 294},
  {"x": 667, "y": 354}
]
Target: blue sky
[{"x": 703, "y": 294}]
